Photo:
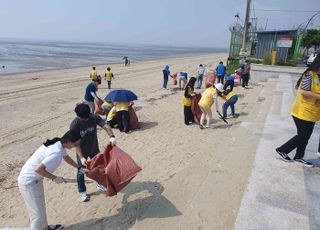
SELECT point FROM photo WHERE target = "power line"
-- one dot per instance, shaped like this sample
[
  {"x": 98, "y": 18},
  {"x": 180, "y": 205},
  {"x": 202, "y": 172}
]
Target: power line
[{"x": 289, "y": 11}]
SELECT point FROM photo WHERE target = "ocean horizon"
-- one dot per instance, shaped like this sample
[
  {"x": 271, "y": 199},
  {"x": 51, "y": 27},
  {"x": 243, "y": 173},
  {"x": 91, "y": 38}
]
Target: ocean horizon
[{"x": 27, "y": 55}]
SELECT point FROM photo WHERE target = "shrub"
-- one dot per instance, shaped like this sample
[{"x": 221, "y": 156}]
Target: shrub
[{"x": 267, "y": 59}]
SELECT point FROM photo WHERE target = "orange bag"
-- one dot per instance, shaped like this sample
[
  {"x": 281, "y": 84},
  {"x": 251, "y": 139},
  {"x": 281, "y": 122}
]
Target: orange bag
[
  {"x": 210, "y": 80},
  {"x": 98, "y": 109},
  {"x": 134, "y": 122},
  {"x": 174, "y": 76},
  {"x": 112, "y": 168}
]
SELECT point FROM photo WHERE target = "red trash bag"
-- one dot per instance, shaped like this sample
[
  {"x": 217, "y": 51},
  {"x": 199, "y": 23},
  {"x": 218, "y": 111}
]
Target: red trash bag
[
  {"x": 98, "y": 107},
  {"x": 210, "y": 80},
  {"x": 174, "y": 77},
  {"x": 112, "y": 168},
  {"x": 196, "y": 111},
  {"x": 134, "y": 122}
]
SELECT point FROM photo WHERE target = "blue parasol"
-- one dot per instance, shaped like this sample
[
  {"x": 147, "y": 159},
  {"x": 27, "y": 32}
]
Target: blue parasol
[{"x": 121, "y": 95}]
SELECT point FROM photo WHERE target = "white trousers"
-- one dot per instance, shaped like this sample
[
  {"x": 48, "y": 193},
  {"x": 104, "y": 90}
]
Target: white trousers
[
  {"x": 206, "y": 115},
  {"x": 33, "y": 195},
  {"x": 91, "y": 105}
]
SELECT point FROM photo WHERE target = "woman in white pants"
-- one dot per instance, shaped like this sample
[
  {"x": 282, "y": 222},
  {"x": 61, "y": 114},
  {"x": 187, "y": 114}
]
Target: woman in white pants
[{"x": 41, "y": 165}]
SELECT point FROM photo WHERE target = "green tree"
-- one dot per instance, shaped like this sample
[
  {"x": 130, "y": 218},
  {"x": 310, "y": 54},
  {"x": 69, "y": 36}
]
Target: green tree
[{"x": 311, "y": 38}]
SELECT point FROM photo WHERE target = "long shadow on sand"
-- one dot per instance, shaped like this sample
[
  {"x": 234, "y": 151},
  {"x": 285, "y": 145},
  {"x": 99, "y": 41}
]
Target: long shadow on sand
[{"x": 153, "y": 206}]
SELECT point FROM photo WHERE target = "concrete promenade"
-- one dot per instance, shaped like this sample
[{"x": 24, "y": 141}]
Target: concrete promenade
[{"x": 281, "y": 195}]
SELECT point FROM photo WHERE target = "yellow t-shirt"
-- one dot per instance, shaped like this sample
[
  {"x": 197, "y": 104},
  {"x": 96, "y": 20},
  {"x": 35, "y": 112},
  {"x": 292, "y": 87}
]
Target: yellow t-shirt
[
  {"x": 122, "y": 106},
  {"x": 112, "y": 113},
  {"x": 108, "y": 76},
  {"x": 187, "y": 101},
  {"x": 206, "y": 100},
  {"x": 107, "y": 104},
  {"x": 306, "y": 108},
  {"x": 230, "y": 94},
  {"x": 93, "y": 75}
]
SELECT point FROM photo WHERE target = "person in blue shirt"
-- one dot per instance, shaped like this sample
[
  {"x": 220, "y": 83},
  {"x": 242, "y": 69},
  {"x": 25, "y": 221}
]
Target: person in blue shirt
[
  {"x": 91, "y": 93},
  {"x": 229, "y": 83},
  {"x": 166, "y": 74},
  {"x": 221, "y": 71}
]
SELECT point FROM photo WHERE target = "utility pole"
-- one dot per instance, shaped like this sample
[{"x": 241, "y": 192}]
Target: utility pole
[{"x": 243, "y": 51}]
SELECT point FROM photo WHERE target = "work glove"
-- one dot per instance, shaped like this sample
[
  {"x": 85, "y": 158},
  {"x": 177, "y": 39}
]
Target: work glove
[
  {"x": 113, "y": 141},
  {"x": 58, "y": 180},
  {"x": 83, "y": 161},
  {"x": 83, "y": 170}
]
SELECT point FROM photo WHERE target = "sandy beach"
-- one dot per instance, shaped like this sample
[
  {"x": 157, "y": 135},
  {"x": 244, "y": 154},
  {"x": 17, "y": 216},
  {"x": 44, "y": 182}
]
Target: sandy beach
[{"x": 190, "y": 178}]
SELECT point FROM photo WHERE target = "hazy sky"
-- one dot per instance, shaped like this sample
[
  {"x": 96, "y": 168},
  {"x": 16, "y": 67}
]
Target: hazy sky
[{"x": 167, "y": 22}]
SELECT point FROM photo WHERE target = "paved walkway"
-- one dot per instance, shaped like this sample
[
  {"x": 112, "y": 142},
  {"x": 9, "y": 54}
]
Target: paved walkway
[{"x": 281, "y": 195}]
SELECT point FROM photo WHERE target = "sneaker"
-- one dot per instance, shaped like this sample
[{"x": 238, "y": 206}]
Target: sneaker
[
  {"x": 201, "y": 127},
  {"x": 303, "y": 162},
  {"x": 283, "y": 156},
  {"x": 55, "y": 227},
  {"x": 101, "y": 188},
  {"x": 84, "y": 197}
]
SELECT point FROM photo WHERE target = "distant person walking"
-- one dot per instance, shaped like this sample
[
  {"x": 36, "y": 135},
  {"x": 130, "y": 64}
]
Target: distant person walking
[
  {"x": 42, "y": 163},
  {"x": 305, "y": 113},
  {"x": 201, "y": 71},
  {"x": 186, "y": 101},
  {"x": 221, "y": 71},
  {"x": 126, "y": 61},
  {"x": 91, "y": 93},
  {"x": 93, "y": 74},
  {"x": 108, "y": 76},
  {"x": 245, "y": 74},
  {"x": 319, "y": 148},
  {"x": 166, "y": 74}
]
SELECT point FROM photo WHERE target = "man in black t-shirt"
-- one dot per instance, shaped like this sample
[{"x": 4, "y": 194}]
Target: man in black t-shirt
[{"x": 86, "y": 125}]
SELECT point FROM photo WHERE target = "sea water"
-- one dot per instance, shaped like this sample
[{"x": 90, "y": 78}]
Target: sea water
[{"x": 30, "y": 55}]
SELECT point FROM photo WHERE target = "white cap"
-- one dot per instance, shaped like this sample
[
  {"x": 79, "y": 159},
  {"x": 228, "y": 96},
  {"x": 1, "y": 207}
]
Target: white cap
[{"x": 219, "y": 87}]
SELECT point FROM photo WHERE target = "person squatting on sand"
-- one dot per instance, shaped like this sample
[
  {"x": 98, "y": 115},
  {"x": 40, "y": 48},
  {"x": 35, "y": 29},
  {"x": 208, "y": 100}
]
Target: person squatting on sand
[
  {"x": 209, "y": 97},
  {"x": 106, "y": 107},
  {"x": 112, "y": 118},
  {"x": 86, "y": 125},
  {"x": 42, "y": 163},
  {"x": 108, "y": 76},
  {"x": 123, "y": 117},
  {"x": 305, "y": 113},
  {"x": 91, "y": 93},
  {"x": 93, "y": 74},
  {"x": 186, "y": 101},
  {"x": 230, "y": 97}
]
